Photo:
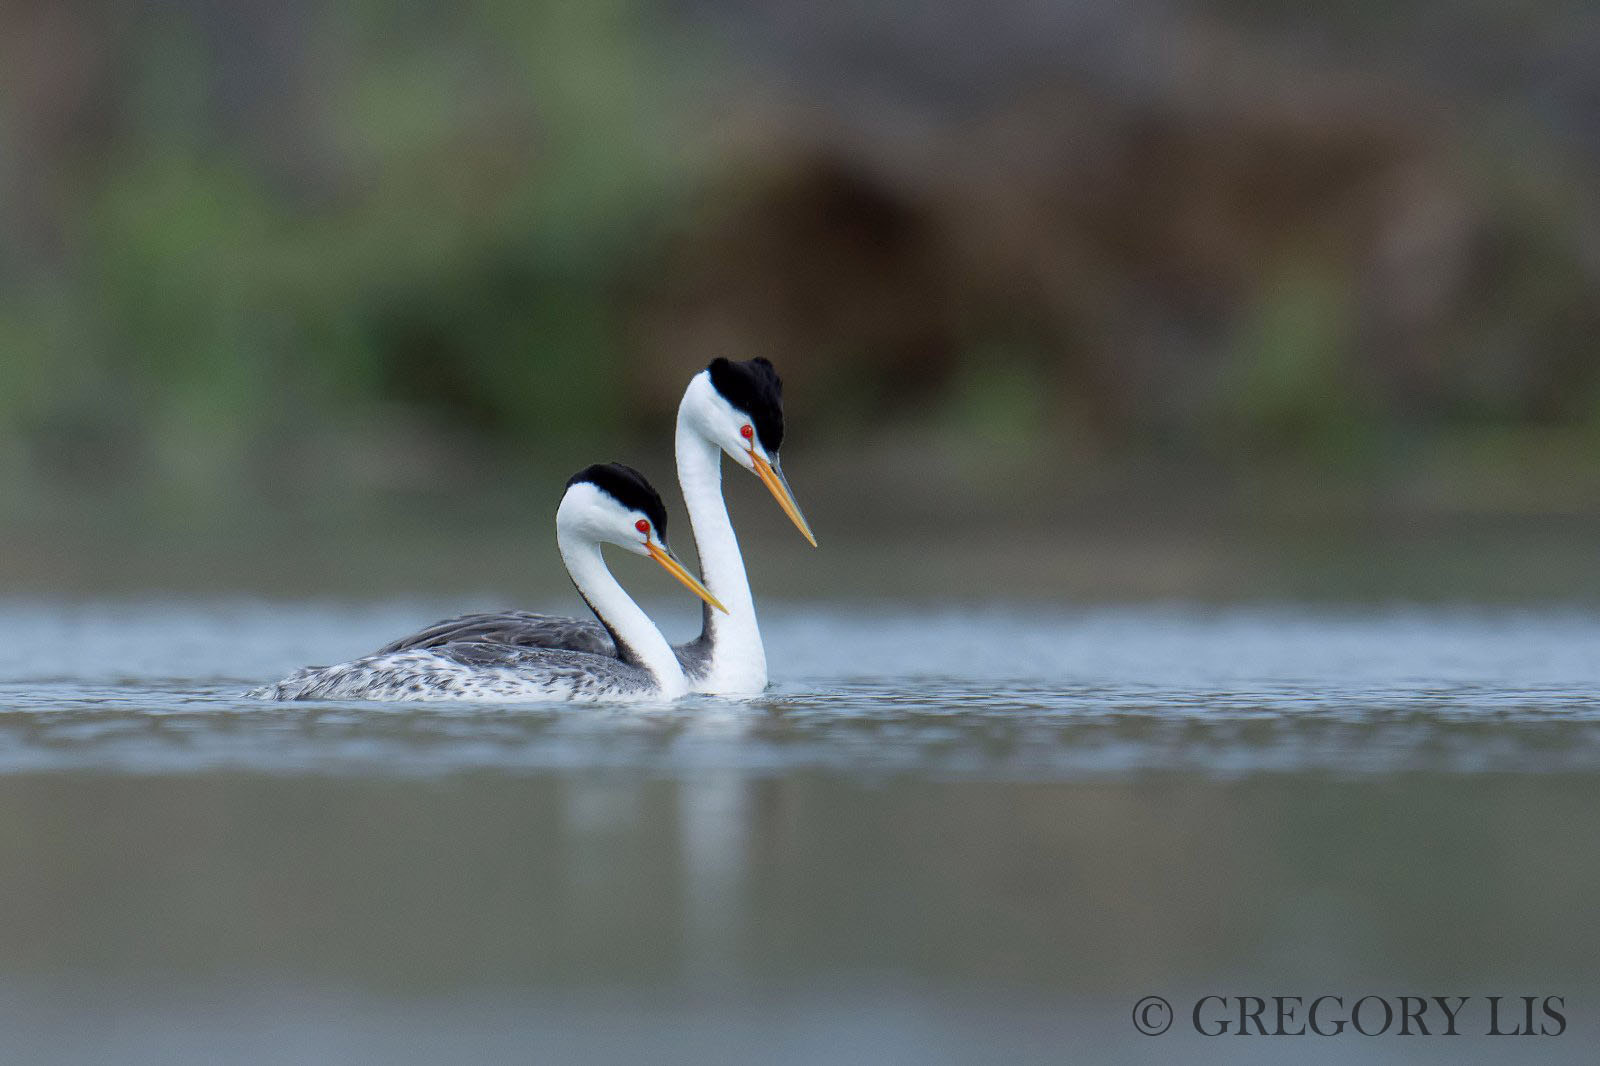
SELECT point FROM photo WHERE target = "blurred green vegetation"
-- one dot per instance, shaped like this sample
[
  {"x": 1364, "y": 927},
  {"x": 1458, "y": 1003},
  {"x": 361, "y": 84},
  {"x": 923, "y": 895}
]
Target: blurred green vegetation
[
  {"x": 252, "y": 248},
  {"x": 1289, "y": 361},
  {"x": 480, "y": 188}
]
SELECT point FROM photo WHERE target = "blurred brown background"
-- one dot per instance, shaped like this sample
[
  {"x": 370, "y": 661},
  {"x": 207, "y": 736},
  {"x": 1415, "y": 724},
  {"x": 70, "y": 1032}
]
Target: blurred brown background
[{"x": 1227, "y": 298}]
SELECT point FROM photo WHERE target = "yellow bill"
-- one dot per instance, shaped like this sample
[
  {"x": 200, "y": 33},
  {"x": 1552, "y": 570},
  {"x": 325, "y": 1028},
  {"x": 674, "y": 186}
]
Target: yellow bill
[
  {"x": 671, "y": 565},
  {"x": 773, "y": 479}
]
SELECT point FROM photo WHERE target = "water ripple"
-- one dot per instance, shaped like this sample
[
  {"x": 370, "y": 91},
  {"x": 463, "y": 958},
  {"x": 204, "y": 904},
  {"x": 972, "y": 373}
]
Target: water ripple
[{"x": 970, "y": 693}]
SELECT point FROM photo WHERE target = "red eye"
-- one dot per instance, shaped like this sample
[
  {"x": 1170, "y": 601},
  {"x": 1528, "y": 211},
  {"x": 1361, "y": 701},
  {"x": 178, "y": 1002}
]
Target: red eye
[
  {"x": 746, "y": 432},
  {"x": 642, "y": 526}
]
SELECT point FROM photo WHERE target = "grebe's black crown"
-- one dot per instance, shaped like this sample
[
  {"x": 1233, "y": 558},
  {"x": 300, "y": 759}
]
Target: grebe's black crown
[
  {"x": 753, "y": 387},
  {"x": 628, "y": 487}
]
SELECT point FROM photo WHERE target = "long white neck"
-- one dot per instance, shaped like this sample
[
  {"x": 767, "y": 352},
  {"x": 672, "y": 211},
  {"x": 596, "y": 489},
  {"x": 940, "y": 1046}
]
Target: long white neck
[
  {"x": 637, "y": 637},
  {"x": 738, "y": 662}
]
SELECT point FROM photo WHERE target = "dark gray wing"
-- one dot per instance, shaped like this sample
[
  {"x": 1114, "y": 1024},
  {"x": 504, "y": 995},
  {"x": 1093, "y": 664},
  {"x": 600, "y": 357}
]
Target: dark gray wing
[
  {"x": 522, "y": 629},
  {"x": 525, "y": 629}
]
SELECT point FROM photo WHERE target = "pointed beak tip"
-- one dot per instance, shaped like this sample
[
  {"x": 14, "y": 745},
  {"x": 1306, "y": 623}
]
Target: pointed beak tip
[
  {"x": 678, "y": 570},
  {"x": 778, "y": 485}
]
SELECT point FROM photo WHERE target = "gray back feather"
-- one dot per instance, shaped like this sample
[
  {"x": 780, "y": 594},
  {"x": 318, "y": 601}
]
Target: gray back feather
[{"x": 522, "y": 629}]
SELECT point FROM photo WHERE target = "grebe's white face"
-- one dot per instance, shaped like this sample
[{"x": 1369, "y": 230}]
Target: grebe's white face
[
  {"x": 722, "y": 423},
  {"x": 734, "y": 432},
  {"x": 594, "y": 514},
  {"x": 590, "y": 513}
]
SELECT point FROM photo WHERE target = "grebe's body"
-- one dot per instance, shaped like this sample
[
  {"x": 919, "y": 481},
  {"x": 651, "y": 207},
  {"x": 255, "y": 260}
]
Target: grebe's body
[
  {"x": 732, "y": 408},
  {"x": 602, "y": 504},
  {"x": 477, "y": 670}
]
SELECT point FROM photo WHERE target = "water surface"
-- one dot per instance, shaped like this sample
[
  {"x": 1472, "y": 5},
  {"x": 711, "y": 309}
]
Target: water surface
[{"x": 945, "y": 835}]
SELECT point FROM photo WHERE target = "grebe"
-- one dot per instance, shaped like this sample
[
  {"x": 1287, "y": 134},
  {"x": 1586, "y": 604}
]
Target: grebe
[
  {"x": 731, "y": 407},
  {"x": 603, "y": 504}
]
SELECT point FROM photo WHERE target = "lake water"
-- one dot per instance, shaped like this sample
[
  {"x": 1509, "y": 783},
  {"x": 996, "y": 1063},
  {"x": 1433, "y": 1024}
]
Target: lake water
[{"x": 945, "y": 835}]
